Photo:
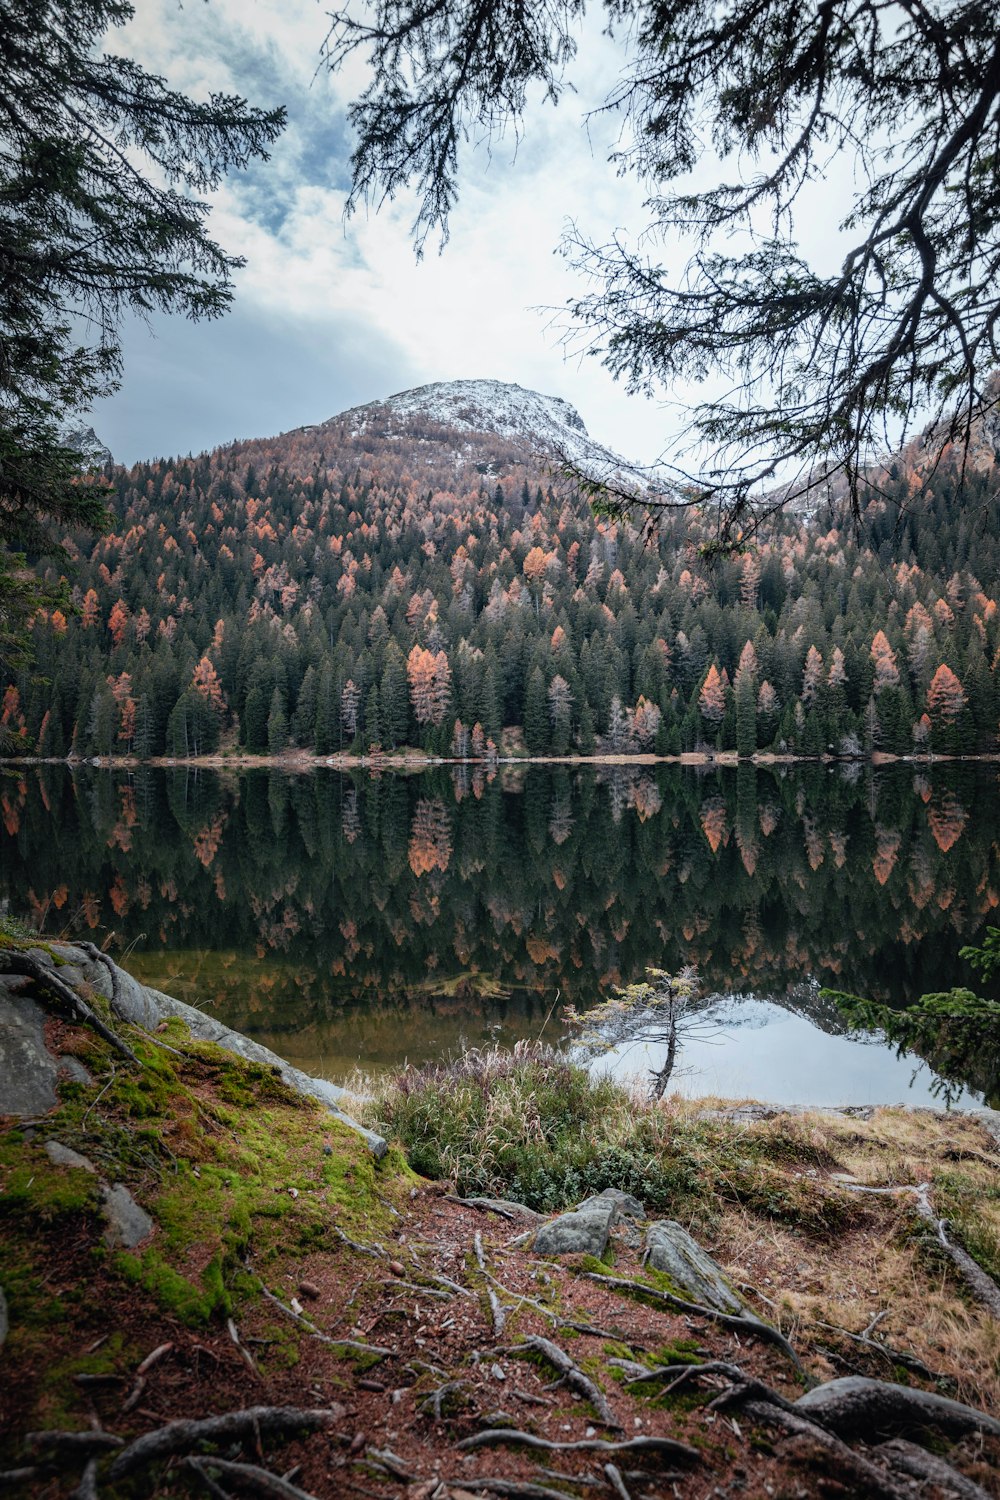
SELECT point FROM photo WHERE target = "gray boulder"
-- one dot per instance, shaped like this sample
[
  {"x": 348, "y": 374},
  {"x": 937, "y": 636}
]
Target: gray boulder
[
  {"x": 623, "y": 1205},
  {"x": 695, "y": 1275},
  {"x": 126, "y": 1224},
  {"x": 145, "y": 1007},
  {"x": 580, "y": 1233},
  {"x": 27, "y": 1068},
  {"x": 64, "y": 1156}
]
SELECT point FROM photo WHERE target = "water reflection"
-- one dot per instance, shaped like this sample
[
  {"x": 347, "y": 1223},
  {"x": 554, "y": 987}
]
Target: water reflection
[{"x": 348, "y": 918}]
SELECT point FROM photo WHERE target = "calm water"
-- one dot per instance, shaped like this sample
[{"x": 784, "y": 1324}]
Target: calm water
[{"x": 352, "y": 920}]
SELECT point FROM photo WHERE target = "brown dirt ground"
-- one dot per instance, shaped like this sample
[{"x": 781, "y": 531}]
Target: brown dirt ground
[
  {"x": 434, "y": 1341},
  {"x": 386, "y": 1440}
]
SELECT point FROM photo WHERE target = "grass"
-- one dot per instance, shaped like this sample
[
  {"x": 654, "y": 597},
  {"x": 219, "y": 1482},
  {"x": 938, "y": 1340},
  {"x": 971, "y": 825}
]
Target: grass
[
  {"x": 526, "y": 1124},
  {"x": 767, "y": 1198}
]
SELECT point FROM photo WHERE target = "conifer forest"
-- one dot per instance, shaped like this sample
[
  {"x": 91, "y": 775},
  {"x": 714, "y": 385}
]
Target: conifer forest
[{"x": 344, "y": 589}]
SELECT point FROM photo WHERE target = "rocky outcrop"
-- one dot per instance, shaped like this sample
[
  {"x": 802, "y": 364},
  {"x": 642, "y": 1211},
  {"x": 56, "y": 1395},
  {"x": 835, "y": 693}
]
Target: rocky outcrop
[
  {"x": 585, "y": 1231},
  {"x": 672, "y": 1251},
  {"x": 29, "y": 1070}
]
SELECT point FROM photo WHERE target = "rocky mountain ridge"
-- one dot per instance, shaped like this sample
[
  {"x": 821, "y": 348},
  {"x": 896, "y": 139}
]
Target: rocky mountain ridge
[{"x": 444, "y": 410}]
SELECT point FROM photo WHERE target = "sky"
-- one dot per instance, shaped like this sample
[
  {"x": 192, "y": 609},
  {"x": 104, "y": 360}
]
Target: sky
[{"x": 329, "y": 313}]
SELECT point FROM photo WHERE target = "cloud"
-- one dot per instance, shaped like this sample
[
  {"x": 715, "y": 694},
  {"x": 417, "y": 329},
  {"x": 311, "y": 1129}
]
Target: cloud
[{"x": 330, "y": 314}]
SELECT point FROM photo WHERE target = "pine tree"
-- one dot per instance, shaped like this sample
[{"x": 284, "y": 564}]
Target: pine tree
[
  {"x": 277, "y": 723},
  {"x": 536, "y": 718}
]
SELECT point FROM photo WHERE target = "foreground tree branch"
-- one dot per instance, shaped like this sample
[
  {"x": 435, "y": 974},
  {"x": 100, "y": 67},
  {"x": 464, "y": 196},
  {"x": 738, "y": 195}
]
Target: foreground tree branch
[{"x": 821, "y": 367}]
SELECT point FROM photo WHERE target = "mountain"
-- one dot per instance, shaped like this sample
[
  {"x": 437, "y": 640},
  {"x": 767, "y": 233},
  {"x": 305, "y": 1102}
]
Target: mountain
[
  {"x": 421, "y": 571},
  {"x": 86, "y": 440},
  {"x": 547, "y": 425}
]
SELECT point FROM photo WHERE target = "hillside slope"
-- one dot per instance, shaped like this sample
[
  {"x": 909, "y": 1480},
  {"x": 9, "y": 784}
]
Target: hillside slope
[{"x": 416, "y": 572}]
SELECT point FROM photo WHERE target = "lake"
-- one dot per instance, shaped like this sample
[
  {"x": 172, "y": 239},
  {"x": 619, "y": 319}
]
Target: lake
[{"x": 357, "y": 920}]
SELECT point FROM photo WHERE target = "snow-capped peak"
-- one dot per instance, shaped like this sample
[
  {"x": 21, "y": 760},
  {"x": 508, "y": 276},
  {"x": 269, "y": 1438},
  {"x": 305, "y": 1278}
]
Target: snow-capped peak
[{"x": 510, "y": 411}]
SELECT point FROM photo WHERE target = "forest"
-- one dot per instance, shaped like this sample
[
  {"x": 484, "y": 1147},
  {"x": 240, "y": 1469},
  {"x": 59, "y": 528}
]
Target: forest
[{"x": 361, "y": 590}]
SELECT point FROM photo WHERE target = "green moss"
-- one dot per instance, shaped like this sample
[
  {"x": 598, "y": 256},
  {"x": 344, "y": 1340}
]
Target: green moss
[
  {"x": 36, "y": 1192},
  {"x": 176, "y": 1294}
]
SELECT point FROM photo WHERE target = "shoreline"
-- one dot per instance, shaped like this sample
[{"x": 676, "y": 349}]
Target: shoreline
[
  {"x": 301, "y": 761},
  {"x": 166, "y": 1211}
]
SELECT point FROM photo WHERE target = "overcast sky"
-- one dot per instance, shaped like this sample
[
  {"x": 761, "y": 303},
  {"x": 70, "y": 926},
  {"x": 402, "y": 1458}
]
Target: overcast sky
[{"x": 331, "y": 314}]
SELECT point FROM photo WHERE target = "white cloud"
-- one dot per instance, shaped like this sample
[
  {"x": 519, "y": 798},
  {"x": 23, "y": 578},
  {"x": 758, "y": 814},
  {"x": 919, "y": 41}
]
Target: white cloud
[{"x": 475, "y": 310}]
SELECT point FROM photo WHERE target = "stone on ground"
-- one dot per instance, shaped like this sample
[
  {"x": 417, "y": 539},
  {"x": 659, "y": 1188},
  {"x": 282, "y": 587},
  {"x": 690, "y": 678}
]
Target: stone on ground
[
  {"x": 581, "y": 1233},
  {"x": 64, "y": 1156},
  {"x": 670, "y": 1249},
  {"x": 127, "y": 1223}
]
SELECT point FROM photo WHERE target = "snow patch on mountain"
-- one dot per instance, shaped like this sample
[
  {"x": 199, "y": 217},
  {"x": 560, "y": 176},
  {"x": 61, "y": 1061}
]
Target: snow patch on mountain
[{"x": 548, "y": 423}]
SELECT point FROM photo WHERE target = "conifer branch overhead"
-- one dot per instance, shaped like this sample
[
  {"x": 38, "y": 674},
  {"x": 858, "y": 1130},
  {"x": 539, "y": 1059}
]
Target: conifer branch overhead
[{"x": 822, "y": 366}]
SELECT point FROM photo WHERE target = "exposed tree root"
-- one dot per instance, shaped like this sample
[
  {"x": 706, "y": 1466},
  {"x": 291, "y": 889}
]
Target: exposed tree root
[
  {"x": 892, "y": 1355},
  {"x": 375, "y": 1251},
  {"x": 70, "y": 1446},
  {"x": 499, "y": 1437},
  {"x": 48, "y": 981},
  {"x": 870, "y": 1479},
  {"x": 525, "y": 1489},
  {"x": 979, "y": 1283},
  {"x": 349, "y": 1346},
  {"x": 180, "y": 1437},
  {"x": 855, "y": 1406},
  {"x": 917, "y": 1463},
  {"x": 751, "y": 1327},
  {"x": 573, "y": 1376},
  {"x": 87, "y": 1488},
  {"x": 520, "y": 1299},
  {"x": 433, "y": 1403},
  {"x": 249, "y": 1477},
  {"x": 616, "y": 1482},
  {"x": 98, "y": 956}
]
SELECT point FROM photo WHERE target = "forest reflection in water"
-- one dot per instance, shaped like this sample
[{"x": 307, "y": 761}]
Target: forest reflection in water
[{"x": 355, "y": 919}]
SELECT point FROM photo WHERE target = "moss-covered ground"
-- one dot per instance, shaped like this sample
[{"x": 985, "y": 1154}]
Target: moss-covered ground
[{"x": 255, "y": 1191}]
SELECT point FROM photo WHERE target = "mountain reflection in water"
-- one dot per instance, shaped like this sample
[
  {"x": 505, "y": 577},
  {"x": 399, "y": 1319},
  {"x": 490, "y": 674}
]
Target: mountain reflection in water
[{"x": 366, "y": 920}]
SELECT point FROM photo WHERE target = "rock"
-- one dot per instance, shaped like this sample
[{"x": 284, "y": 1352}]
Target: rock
[
  {"x": 670, "y": 1249},
  {"x": 27, "y": 1068},
  {"x": 127, "y": 1223},
  {"x": 74, "y": 1069},
  {"x": 624, "y": 1205},
  {"x": 577, "y": 1233},
  {"x": 145, "y": 1007},
  {"x": 64, "y": 1156}
]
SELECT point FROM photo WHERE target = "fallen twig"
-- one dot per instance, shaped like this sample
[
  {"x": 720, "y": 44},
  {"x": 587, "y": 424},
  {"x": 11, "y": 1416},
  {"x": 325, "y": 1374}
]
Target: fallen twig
[{"x": 244, "y": 1352}]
